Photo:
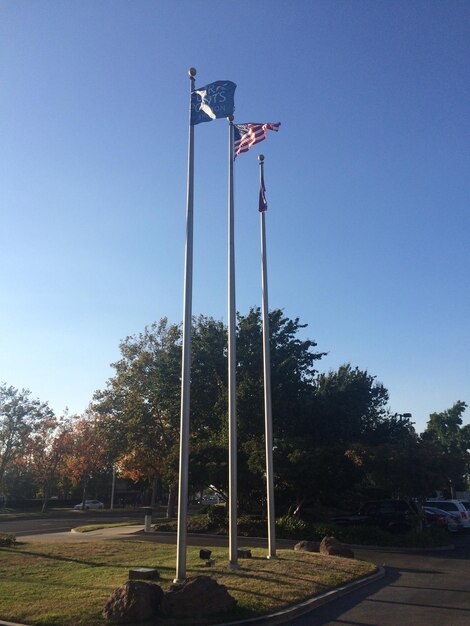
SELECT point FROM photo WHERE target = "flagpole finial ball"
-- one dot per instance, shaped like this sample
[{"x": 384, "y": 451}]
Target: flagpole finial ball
[
  {"x": 192, "y": 72},
  {"x": 261, "y": 158},
  {"x": 230, "y": 118}
]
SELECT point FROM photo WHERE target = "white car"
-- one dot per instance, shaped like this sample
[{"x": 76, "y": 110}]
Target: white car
[
  {"x": 456, "y": 507},
  {"x": 89, "y": 504}
]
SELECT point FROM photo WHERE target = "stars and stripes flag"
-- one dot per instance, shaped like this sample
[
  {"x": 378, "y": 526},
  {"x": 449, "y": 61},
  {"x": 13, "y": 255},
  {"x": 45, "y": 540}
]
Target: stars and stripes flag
[{"x": 247, "y": 135}]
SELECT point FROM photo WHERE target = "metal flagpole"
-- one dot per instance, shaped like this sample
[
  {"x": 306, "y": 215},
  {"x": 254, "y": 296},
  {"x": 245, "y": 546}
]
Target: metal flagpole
[
  {"x": 267, "y": 381},
  {"x": 232, "y": 390},
  {"x": 186, "y": 360}
]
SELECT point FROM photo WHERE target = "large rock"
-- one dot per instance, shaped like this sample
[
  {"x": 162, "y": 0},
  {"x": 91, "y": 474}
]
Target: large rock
[
  {"x": 306, "y": 546},
  {"x": 197, "y": 597},
  {"x": 333, "y": 547},
  {"x": 135, "y": 601}
]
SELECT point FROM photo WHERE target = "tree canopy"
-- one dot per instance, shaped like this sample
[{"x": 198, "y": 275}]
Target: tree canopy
[{"x": 334, "y": 434}]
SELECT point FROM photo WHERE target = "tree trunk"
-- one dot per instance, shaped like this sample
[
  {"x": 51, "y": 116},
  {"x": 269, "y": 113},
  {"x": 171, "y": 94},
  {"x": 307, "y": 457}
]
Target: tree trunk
[
  {"x": 170, "y": 509},
  {"x": 47, "y": 494},
  {"x": 45, "y": 501},
  {"x": 84, "y": 495},
  {"x": 153, "y": 497}
]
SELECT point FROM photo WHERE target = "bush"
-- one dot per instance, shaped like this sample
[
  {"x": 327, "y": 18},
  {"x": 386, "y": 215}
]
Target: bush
[
  {"x": 288, "y": 527},
  {"x": 217, "y": 515},
  {"x": 7, "y": 540},
  {"x": 252, "y": 526},
  {"x": 374, "y": 536}
]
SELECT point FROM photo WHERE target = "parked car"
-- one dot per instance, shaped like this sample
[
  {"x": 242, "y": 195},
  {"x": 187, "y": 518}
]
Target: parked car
[
  {"x": 89, "y": 504},
  {"x": 211, "y": 499},
  {"x": 442, "y": 519},
  {"x": 452, "y": 506},
  {"x": 391, "y": 515}
]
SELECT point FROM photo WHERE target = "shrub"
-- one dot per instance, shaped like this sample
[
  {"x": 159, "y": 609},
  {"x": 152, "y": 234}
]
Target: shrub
[
  {"x": 288, "y": 527},
  {"x": 374, "y": 536},
  {"x": 217, "y": 515},
  {"x": 7, "y": 540},
  {"x": 252, "y": 526}
]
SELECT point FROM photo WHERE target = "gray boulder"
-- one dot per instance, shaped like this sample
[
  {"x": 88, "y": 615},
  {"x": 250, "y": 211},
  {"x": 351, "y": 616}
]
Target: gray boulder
[
  {"x": 135, "y": 601},
  {"x": 306, "y": 546},
  {"x": 197, "y": 597}
]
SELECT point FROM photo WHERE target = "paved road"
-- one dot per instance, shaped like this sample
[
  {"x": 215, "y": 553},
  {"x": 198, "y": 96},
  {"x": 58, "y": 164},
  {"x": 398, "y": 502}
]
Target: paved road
[
  {"x": 21, "y": 527},
  {"x": 420, "y": 589}
]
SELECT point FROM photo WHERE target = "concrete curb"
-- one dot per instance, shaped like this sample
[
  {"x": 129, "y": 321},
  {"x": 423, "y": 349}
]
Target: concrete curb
[{"x": 285, "y": 542}]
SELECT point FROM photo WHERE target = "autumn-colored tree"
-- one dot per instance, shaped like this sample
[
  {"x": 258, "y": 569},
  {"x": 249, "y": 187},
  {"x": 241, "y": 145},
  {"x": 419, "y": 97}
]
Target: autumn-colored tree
[
  {"x": 47, "y": 449},
  {"x": 86, "y": 453},
  {"x": 140, "y": 408}
]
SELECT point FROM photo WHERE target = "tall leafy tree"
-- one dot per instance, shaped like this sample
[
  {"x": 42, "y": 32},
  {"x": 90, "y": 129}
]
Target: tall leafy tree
[
  {"x": 293, "y": 371},
  {"x": 350, "y": 406},
  {"x": 86, "y": 453},
  {"x": 140, "y": 408},
  {"x": 450, "y": 441},
  {"x": 20, "y": 416},
  {"x": 46, "y": 451}
]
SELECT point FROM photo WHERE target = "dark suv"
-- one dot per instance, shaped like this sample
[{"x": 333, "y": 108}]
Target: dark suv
[{"x": 391, "y": 515}]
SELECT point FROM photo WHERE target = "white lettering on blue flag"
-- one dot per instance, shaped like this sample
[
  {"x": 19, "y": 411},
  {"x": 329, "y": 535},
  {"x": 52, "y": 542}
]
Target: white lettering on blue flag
[{"x": 212, "y": 101}]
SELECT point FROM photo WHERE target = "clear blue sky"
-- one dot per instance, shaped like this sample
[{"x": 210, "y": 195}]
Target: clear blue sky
[{"x": 368, "y": 183}]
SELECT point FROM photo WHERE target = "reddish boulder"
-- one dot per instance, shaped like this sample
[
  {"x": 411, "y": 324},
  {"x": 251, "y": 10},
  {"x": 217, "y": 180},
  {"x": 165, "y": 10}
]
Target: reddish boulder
[
  {"x": 135, "y": 601},
  {"x": 333, "y": 547},
  {"x": 197, "y": 597}
]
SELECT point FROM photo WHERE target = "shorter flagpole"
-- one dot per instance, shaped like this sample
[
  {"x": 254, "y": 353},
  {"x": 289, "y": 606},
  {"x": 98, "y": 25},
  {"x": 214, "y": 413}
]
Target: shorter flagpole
[
  {"x": 232, "y": 386},
  {"x": 267, "y": 376}
]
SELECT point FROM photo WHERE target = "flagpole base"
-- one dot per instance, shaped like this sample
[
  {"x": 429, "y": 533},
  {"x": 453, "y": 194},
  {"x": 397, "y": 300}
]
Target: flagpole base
[
  {"x": 233, "y": 566},
  {"x": 179, "y": 581},
  {"x": 272, "y": 557}
]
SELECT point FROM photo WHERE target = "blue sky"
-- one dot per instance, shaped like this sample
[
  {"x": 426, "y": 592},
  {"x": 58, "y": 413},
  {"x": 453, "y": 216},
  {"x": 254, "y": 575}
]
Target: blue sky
[{"x": 367, "y": 181}]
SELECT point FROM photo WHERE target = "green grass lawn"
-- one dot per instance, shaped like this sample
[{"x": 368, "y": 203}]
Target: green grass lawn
[{"x": 68, "y": 584}]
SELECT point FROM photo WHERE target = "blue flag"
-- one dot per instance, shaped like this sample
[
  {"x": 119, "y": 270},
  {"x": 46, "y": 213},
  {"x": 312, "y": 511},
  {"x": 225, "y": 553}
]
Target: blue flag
[{"x": 212, "y": 101}]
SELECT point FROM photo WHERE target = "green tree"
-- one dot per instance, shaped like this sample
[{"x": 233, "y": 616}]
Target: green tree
[
  {"x": 20, "y": 416},
  {"x": 446, "y": 428},
  {"x": 450, "y": 441},
  {"x": 293, "y": 370},
  {"x": 140, "y": 408},
  {"x": 350, "y": 406}
]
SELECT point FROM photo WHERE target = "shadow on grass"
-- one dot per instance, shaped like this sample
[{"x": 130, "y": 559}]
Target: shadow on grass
[
  {"x": 94, "y": 564},
  {"x": 56, "y": 557}
]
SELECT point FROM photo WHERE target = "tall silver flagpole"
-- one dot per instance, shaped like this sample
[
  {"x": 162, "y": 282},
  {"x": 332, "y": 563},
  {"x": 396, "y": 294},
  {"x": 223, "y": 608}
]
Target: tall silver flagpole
[
  {"x": 232, "y": 389},
  {"x": 186, "y": 359},
  {"x": 267, "y": 382}
]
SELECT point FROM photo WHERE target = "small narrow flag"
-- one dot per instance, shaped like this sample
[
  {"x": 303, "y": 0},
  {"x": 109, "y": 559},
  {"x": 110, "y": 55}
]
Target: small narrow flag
[
  {"x": 263, "y": 203},
  {"x": 212, "y": 101},
  {"x": 247, "y": 135}
]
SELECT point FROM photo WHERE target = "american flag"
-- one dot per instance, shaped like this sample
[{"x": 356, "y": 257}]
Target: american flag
[{"x": 247, "y": 135}]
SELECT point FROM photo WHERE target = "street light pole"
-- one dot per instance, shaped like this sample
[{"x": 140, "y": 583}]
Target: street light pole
[{"x": 112, "y": 488}]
